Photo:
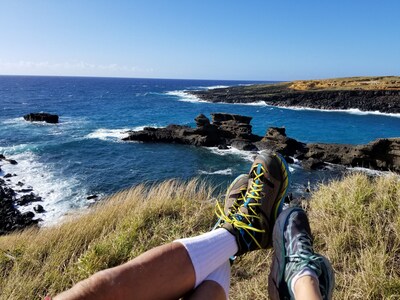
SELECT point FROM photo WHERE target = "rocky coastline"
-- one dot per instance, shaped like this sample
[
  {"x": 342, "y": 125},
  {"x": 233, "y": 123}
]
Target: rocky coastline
[
  {"x": 11, "y": 218},
  {"x": 365, "y": 94},
  {"x": 229, "y": 130}
]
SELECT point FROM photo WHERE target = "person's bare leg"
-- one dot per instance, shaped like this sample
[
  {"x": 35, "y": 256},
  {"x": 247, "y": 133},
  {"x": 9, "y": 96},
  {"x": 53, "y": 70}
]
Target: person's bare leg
[
  {"x": 208, "y": 289},
  {"x": 165, "y": 272},
  {"x": 307, "y": 288},
  {"x": 215, "y": 285}
]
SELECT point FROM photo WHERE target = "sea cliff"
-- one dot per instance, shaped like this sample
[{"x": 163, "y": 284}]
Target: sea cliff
[{"x": 364, "y": 93}]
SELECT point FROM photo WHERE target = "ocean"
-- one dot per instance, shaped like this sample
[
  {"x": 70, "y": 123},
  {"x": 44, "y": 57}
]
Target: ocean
[{"x": 84, "y": 155}]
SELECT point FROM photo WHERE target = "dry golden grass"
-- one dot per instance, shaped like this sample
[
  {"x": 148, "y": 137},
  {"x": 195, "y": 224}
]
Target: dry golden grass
[
  {"x": 349, "y": 83},
  {"x": 356, "y": 223}
]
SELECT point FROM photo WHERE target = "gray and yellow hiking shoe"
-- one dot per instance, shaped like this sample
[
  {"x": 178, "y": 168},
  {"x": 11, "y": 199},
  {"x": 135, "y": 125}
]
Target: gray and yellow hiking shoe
[
  {"x": 294, "y": 252},
  {"x": 254, "y": 219},
  {"x": 235, "y": 196}
]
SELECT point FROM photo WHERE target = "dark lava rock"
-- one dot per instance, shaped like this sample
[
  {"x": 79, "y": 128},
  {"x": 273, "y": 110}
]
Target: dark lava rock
[
  {"x": 221, "y": 132},
  {"x": 235, "y": 130},
  {"x": 20, "y": 183},
  {"x": 282, "y": 95},
  {"x": 26, "y": 199},
  {"x": 201, "y": 120},
  {"x": 6, "y": 193},
  {"x": 27, "y": 190},
  {"x": 12, "y": 161},
  {"x": 313, "y": 164},
  {"x": 8, "y": 175},
  {"x": 11, "y": 218},
  {"x": 41, "y": 117},
  {"x": 39, "y": 209},
  {"x": 288, "y": 198},
  {"x": 28, "y": 215},
  {"x": 382, "y": 154},
  {"x": 275, "y": 139},
  {"x": 91, "y": 197},
  {"x": 244, "y": 145},
  {"x": 223, "y": 147},
  {"x": 220, "y": 118}
]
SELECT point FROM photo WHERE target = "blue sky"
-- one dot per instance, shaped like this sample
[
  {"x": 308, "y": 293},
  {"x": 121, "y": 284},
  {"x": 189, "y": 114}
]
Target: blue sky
[{"x": 207, "y": 39}]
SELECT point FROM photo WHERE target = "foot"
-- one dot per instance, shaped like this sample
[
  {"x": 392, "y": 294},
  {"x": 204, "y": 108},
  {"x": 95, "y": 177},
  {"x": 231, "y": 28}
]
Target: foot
[
  {"x": 294, "y": 253},
  {"x": 254, "y": 218}
]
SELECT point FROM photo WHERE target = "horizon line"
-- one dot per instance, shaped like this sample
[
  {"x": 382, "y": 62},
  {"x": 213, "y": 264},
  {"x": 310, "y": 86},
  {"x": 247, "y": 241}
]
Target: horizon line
[{"x": 126, "y": 77}]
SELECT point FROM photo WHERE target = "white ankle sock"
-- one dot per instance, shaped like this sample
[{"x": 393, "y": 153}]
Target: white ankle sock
[
  {"x": 305, "y": 272},
  {"x": 222, "y": 276},
  {"x": 209, "y": 251}
]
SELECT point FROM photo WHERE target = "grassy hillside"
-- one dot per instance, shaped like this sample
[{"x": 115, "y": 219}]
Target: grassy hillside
[
  {"x": 332, "y": 84},
  {"x": 356, "y": 223}
]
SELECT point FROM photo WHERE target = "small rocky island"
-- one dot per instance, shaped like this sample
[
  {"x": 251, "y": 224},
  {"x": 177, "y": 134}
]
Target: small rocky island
[
  {"x": 41, "y": 117},
  {"x": 364, "y": 93},
  {"x": 229, "y": 130}
]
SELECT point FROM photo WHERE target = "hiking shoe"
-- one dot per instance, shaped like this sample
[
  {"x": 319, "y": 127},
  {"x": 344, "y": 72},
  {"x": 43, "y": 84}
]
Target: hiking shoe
[
  {"x": 253, "y": 220},
  {"x": 235, "y": 196},
  {"x": 294, "y": 252}
]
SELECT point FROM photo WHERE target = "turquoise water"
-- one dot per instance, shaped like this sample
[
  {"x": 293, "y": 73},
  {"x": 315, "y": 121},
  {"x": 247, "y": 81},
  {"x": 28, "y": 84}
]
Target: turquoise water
[{"x": 83, "y": 154}]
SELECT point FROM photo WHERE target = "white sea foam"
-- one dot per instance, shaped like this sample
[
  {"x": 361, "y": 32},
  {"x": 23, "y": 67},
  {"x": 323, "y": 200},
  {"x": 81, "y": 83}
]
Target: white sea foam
[
  {"x": 17, "y": 149},
  {"x": 105, "y": 134},
  {"x": 138, "y": 128},
  {"x": 257, "y": 103},
  {"x": 115, "y": 135},
  {"x": 213, "y": 87},
  {"x": 354, "y": 111},
  {"x": 14, "y": 121},
  {"x": 63, "y": 121},
  {"x": 184, "y": 96},
  {"x": 20, "y": 121},
  {"x": 371, "y": 172},
  {"x": 219, "y": 172},
  {"x": 246, "y": 155},
  {"x": 56, "y": 191}
]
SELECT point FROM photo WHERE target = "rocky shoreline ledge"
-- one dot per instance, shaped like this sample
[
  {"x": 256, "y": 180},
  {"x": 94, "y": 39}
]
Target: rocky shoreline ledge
[
  {"x": 11, "y": 218},
  {"x": 364, "y": 93},
  {"x": 229, "y": 130}
]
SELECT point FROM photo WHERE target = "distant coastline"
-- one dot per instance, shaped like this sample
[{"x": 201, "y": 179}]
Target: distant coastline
[{"x": 369, "y": 94}]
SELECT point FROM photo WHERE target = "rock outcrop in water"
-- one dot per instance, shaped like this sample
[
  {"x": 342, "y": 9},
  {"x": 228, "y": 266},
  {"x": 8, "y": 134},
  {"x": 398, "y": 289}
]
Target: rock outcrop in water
[
  {"x": 41, "y": 117},
  {"x": 224, "y": 130},
  {"x": 363, "y": 93},
  {"x": 234, "y": 130}
]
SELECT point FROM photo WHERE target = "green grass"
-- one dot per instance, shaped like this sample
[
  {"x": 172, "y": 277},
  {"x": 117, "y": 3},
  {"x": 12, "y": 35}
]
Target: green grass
[{"x": 356, "y": 224}]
